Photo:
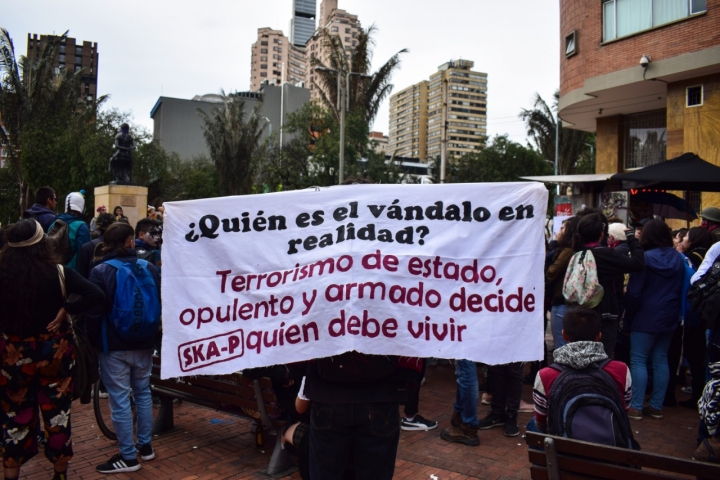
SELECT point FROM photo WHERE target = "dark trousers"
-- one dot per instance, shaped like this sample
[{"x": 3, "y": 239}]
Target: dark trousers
[
  {"x": 609, "y": 330},
  {"x": 368, "y": 431},
  {"x": 411, "y": 406},
  {"x": 694, "y": 348},
  {"x": 506, "y": 384}
]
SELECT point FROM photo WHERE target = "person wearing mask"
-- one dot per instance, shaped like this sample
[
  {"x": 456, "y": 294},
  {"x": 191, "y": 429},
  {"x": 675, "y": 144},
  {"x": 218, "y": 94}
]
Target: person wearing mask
[
  {"x": 148, "y": 241},
  {"x": 555, "y": 275},
  {"x": 652, "y": 315},
  {"x": 78, "y": 232},
  {"x": 43, "y": 210},
  {"x": 695, "y": 246},
  {"x": 34, "y": 327},
  {"x": 611, "y": 264},
  {"x": 711, "y": 221}
]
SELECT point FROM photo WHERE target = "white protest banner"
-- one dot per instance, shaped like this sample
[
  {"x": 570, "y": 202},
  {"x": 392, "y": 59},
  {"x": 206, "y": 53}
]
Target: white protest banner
[{"x": 447, "y": 271}]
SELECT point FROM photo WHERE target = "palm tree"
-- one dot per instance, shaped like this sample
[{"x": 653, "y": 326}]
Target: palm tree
[
  {"x": 541, "y": 123},
  {"x": 367, "y": 91},
  {"x": 33, "y": 94},
  {"x": 233, "y": 138}
]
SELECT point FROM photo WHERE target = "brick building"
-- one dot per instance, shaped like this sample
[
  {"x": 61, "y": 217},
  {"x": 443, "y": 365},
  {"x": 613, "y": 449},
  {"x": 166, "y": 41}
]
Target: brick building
[
  {"x": 644, "y": 75},
  {"x": 71, "y": 57}
]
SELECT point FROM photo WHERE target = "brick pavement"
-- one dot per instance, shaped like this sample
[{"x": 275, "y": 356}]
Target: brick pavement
[{"x": 206, "y": 444}]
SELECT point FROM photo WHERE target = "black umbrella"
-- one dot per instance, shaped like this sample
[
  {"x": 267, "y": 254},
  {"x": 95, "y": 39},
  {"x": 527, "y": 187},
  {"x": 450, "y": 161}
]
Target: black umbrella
[
  {"x": 666, "y": 205},
  {"x": 688, "y": 172}
]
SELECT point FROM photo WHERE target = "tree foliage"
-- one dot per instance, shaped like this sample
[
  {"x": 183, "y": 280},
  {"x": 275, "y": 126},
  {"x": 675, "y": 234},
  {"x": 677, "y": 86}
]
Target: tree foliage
[
  {"x": 573, "y": 154},
  {"x": 501, "y": 161},
  {"x": 233, "y": 138}
]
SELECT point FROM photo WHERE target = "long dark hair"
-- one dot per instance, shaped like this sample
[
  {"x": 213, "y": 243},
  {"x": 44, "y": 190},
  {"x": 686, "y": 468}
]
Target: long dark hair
[
  {"x": 656, "y": 234},
  {"x": 589, "y": 229},
  {"x": 23, "y": 269},
  {"x": 115, "y": 237},
  {"x": 566, "y": 240},
  {"x": 700, "y": 238}
]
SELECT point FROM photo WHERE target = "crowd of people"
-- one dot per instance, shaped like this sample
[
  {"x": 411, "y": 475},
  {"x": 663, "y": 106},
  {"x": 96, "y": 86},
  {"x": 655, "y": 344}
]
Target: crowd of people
[{"x": 630, "y": 342}]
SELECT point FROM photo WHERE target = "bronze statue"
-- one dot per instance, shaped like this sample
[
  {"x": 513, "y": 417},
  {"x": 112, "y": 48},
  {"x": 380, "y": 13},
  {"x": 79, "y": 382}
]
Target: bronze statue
[{"x": 121, "y": 161}]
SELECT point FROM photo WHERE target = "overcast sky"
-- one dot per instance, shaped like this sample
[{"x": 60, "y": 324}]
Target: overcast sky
[{"x": 181, "y": 48}]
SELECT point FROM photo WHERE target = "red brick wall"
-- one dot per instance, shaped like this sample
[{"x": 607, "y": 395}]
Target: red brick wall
[{"x": 593, "y": 58}]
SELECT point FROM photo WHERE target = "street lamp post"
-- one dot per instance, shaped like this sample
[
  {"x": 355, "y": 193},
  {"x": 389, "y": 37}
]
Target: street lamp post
[
  {"x": 343, "y": 103},
  {"x": 269, "y": 125}
]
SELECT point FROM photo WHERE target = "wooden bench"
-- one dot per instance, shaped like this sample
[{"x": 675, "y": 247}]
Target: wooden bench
[
  {"x": 564, "y": 458},
  {"x": 234, "y": 394}
]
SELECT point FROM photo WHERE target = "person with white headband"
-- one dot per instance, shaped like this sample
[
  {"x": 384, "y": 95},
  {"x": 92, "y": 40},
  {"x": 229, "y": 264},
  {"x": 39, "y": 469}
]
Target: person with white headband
[{"x": 37, "y": 352}]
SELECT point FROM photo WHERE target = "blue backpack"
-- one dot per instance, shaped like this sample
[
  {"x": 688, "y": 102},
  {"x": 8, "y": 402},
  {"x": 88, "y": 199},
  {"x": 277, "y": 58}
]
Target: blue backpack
[{"x": 135, "y": 314}]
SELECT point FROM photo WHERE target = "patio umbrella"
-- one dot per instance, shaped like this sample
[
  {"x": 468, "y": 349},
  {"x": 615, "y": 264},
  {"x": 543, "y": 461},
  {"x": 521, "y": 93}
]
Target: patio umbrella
[
  {"x": 666, "y": 205},
  {"x": 688, "y": 172}
]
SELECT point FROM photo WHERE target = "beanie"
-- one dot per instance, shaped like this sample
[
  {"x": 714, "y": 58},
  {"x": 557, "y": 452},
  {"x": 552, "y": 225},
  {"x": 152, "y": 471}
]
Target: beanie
[
  {"x": 617, "y": 230},
  {"x": 75, "y": 201}
]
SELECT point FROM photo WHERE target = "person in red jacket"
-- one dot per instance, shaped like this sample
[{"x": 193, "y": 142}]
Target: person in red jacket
[{"x": 581, "y": 330}]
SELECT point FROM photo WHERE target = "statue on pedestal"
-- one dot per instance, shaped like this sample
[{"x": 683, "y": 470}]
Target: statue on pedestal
[{"x": 121, "y": 161}]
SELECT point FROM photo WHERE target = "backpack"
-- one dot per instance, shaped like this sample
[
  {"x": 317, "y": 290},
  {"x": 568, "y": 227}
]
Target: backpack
[
  {"x": 586, "y": 405},
  {"x": 135, "y": 313},
  {"x": 704, "y": 296},
  {"x": 59, "y": 238},
  {"x": 581, "y": 285},
  {"x": 355, "y": 367}
]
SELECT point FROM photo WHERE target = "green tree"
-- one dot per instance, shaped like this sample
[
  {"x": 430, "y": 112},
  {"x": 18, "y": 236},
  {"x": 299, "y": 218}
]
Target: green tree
[
  {"x": 39, "y": 108},
  {"x": 541, "y": 122},
  {"x": 501, "y": 161},
  {"x": 189, "y": 179},
  {"x": 233, "y": 138}
]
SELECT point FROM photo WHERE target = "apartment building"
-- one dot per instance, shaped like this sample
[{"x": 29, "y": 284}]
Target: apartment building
[
  {"x": 71, "y": 56},
  {"x": 275, "y": 60},
  {"x": 381, "y": 142},
  {"x": 466, "y": 114},
  {"x": 336, "y": 22},
  {"x": 418, "y": 113},
  {"x": 408, "y": 122}
]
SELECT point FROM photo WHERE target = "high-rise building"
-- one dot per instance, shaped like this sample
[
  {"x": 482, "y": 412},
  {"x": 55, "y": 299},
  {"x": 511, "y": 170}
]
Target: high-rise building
[
  {"x": 465, "y": 115},
  {"x": 336, "y": 22},
  {"x": 302, "y": 24},
  {"x": 275, "y": 60},
  {"x": 408, "y": 122},
  {"x": 417, "y": 114},
  {"x": 70, "y": 56}
]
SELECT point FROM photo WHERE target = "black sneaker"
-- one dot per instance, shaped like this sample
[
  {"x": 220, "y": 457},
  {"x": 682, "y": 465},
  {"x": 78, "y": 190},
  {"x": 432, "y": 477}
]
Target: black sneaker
[
  {"x": 492, "y": 420},
  {"x": 146, "y": 452},
  {"x": 511, "y": 427},
  {"x": 417, "y": 423},
  {"x": 118, "y": 464}
]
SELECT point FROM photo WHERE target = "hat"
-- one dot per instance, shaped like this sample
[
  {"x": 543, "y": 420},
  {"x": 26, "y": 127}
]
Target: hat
[
  {"x": 101, "y": 207},
  {"x": 711, "y": 213},
  {"x": 641, "y": 223},
  {"x": 617, "y": 230},
  {"x": 75, "y": 201}
]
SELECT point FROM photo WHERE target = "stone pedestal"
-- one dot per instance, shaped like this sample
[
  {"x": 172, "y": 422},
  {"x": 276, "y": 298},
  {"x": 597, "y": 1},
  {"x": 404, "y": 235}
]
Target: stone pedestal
[{"x": 132, "y": 199}]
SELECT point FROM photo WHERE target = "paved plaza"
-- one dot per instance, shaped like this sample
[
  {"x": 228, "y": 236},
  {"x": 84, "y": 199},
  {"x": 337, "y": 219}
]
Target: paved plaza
[{"x": 206, "y": 444}]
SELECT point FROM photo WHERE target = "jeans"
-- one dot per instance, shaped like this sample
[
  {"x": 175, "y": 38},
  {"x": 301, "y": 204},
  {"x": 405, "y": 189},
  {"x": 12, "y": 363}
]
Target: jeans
[
  {"x": 506, "y": 381},
  {"x": 653, "y": 346},
  {"x": 466, "y": 399},
  {"x": 556, "y": 325},
  {"x": 121, "y": 372},
  {"x": 366, "y": 432}
]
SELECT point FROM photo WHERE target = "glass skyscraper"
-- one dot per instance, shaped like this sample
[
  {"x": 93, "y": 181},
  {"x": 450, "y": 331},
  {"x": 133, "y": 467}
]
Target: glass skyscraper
[{"x": 302, "y": 25}]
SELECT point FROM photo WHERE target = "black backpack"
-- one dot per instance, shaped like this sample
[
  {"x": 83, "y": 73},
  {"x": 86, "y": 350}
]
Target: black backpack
[
  {"x": 586, "y": 405},
  {"x": 355, "y": 367},
  {"x": 59, "y": 239},
  {"x": 704, "y": 296}
]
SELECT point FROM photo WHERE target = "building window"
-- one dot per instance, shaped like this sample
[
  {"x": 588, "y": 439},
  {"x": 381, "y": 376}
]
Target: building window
[
  {"x": 263, "y": 66},
  {"x": 78, "y": 50},
  {"x": 694, "y": 199},
  {"x": 264, "y": 43},
  {"x": 694, "y": 96},
  {"x": 263, "y": 59},
  {"x": 263, "y": 74},
  {"x": 263, "y": 50},
  {"x": 334, "y": 29},
  {"x": 570, "y": 44},
  {"x": 625, "y": 17},
  {"x": 645, "y": 138}
]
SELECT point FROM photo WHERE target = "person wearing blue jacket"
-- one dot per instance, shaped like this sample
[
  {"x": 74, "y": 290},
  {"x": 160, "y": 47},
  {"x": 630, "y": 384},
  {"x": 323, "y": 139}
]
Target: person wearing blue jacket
[
  {"x": 653, "y": 306},
  {"x": 125, "y": 366},
  {"x": 43, "y": 210}
]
